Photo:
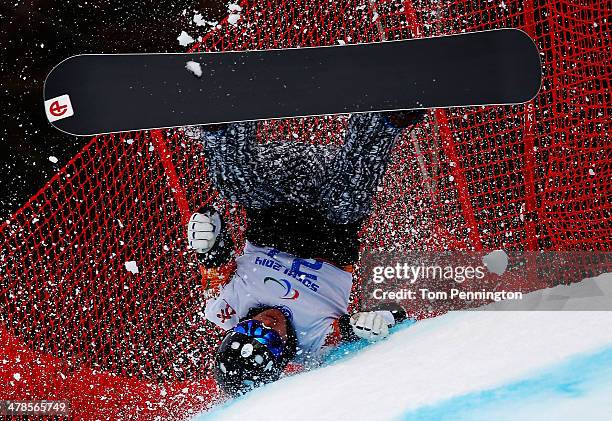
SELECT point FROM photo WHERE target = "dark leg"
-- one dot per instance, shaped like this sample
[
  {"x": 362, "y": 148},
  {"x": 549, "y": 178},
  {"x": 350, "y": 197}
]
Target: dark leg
[
  {"x": 230, "y": 151},
  {"x": 260, "y": 176},
  {"x": 358, "y": 168}
]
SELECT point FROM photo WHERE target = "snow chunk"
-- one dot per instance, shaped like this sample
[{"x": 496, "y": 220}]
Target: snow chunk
[
  {"x": 234, "y": 15},
  {"x": 591, "y": 171},
  {"x": 17, "y": 376},
  {"x": 233, "y": 19},
  {"x": 185, "y": 39},
  {"x": 341, "y": 42},
  {"x": 199, "y": 20},
  {"x": 53, "y": 159},
  {"x": 496, "y": 261},
  {"x": 131, "y": 266},
  {"x": 194, "y": 67}
]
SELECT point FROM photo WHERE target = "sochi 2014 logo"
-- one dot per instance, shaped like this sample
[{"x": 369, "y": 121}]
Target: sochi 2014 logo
[{"x": 289, "y": 292}]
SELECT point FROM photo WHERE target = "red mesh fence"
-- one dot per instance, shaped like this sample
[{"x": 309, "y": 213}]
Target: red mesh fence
[{"x": 102, "y": 304}]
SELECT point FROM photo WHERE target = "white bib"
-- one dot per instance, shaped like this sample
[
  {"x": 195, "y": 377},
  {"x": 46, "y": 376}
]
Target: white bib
[{"x": 311, "y": 293}]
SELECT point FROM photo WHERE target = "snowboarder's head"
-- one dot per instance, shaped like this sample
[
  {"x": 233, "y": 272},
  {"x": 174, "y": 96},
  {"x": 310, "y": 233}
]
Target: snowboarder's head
[{"x": 255, "y": 351}]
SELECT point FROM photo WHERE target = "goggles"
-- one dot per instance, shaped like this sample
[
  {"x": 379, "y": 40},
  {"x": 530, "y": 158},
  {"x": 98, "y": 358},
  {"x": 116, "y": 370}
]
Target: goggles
[{"x": 262, "y": 334}]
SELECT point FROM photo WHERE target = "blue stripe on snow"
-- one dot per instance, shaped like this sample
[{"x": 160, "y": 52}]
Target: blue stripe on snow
[{"x": 580, "y": 387}]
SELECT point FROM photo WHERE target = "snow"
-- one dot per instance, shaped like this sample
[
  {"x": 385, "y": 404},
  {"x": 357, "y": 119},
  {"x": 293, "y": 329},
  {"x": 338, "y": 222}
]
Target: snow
[
  {"x": 131, "y": 266},
  {"x": 233, "y": 18},
  {"x": 199, "y": 20},
  {"x": 496, "y": 261},
  {"x": 53, "y": 159},
  {"x": 17, "y": 376},
  {"x": 463, "y": 365},
  {"x": 234, "y": 15},
  {"x": 185, "y": 39},
  {"x": 194, "y": 67}
]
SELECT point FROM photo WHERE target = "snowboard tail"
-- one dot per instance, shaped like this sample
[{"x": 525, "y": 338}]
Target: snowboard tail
[{"x": 105, "y": 93}]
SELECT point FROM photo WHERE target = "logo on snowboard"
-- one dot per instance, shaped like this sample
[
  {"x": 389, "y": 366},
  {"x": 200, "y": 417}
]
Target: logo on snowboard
[{"x": 58, "y": 108}]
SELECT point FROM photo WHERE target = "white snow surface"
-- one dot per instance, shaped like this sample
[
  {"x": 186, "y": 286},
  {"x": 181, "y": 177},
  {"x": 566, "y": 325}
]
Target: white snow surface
[{"x": 433, "y": 361}]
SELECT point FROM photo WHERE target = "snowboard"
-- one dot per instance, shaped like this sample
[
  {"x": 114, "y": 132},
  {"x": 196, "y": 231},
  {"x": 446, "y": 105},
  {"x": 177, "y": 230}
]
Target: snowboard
[{"x": 105, "y": 93}]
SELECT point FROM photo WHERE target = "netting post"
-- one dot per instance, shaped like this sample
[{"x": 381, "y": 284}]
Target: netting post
[
  {"x": 410, "y": 12},
  {"x": 529, "y": 169},
  {"x": 176, "y": 187},
  {"x": 528, "y": 139}
]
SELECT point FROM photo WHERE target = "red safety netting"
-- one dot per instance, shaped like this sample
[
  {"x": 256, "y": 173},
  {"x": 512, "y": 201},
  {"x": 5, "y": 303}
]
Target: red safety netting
[{"x": 102, "y": 304}]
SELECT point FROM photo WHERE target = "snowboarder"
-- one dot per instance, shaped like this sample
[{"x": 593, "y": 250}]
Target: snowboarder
[{"x": 305, "y": 205}]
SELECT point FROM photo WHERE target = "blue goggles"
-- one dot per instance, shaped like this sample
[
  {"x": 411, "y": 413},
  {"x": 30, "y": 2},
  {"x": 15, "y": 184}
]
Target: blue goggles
[{"x": 262, "y": 334}]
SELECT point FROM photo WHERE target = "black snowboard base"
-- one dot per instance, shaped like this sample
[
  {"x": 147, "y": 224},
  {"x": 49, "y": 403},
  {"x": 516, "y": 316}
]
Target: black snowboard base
[{"x": 104, "y": 93}]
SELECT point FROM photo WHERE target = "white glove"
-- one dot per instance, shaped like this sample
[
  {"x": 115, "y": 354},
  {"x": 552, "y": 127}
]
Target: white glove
[
  {"x": 370, "y": 325},
  {"x": 202, "y": 231}
]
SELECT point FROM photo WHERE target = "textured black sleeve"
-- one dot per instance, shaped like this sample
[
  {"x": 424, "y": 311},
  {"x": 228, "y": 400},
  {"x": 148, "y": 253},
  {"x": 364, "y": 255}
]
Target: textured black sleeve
[
  {"x": 304, "y": 232},
  {"x": 346, "y": 331},
  {"x": 221, "y": 252}
]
